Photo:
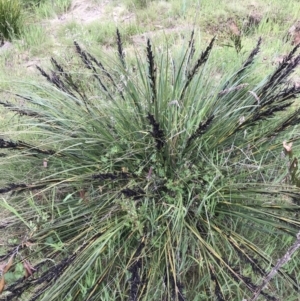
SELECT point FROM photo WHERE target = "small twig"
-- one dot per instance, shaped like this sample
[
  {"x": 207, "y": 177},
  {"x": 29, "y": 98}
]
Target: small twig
[{"x": 283, "y": 260}]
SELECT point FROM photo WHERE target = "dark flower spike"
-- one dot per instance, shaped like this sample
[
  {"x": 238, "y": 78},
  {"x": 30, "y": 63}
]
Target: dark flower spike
[
  {"x": 106, "y": 73},
  {"x": 269, "y": 112},
  {"x": 285, "y": 68},
  {"x": 235, "y": 274},
  {"x": 22, "y": 145},
  {"x": 44, "y": 73},
  {"x": 246, "y": 257},
  {"x": 54, "y": 79},
  {"x": 192, "y": 40},
  {"x": 285, "y": 94},
  {"x": 291, "y": 120},
  {"x": 151, "y": 70},
  {"x": 136, "y": 194},
  {"x": 273, "y": 103},
  {"x": 121, "y": 53},
  {"x": 68, "y": 79},
  {"x": 45, "y": 278},
  {"x": 111, "y": 176},
  {"x": 58, "y": 67},
  {"x": 12, "y": 187},
  {"x": 218, "y": 291},
  {"x": 202, "y": 60},
  {"x": 179, "y": 292},
  {"x": 176, "y": 288},
  {"x": 23, "y": 97},
  {"x": 100, "y": 65},
  {"x": 203, "y": 126},
  {"x": 249, "y": 61},
  {"x": 247, "y": 281},
  {"x": 156, "y": 133},
  {"x": 21, "y": 111},
  {"x": 135, "y": 280},
  {"x": 19, "y": 187},
  {"x": 84, "y": 56},
  {"x": 191, "y": 49}
]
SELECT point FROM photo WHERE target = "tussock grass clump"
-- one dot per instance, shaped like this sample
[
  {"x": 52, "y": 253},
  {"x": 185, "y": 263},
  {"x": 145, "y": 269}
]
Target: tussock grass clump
[
  {"x": 10, "y": 19},
  {"x": 162, "y": 185}
]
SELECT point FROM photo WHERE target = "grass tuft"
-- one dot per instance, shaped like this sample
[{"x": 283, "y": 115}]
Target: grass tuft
[
  {"x": 196, "y": 208},
  {"x": 10, "y": 19}
]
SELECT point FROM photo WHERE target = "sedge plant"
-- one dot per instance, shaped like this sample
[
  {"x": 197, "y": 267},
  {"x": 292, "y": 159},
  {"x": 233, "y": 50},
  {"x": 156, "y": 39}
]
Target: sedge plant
[{"x": 150, "y": 180}]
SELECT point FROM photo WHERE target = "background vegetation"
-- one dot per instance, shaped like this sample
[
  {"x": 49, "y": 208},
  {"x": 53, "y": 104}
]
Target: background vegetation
[{"x": 145, "y": 169}]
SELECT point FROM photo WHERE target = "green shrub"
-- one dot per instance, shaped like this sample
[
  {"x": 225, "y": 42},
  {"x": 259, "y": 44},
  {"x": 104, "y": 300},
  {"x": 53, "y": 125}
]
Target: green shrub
[
  {"x": 10, "y": 18},
  {"x": 153, "y": 181}
]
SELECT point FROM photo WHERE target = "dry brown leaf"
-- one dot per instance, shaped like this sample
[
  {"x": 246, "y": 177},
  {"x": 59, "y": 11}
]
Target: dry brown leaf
[
  {"x": 27, "y": 273},
  {"x": 83, "y": 196},
  {"x": 29, "y": 269},
  {"x": 233, "y": 27},
  {"x": 2, "y": 283},
  {"x": 9, "y": 263},
  {"x": 2, "y": 266}
]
